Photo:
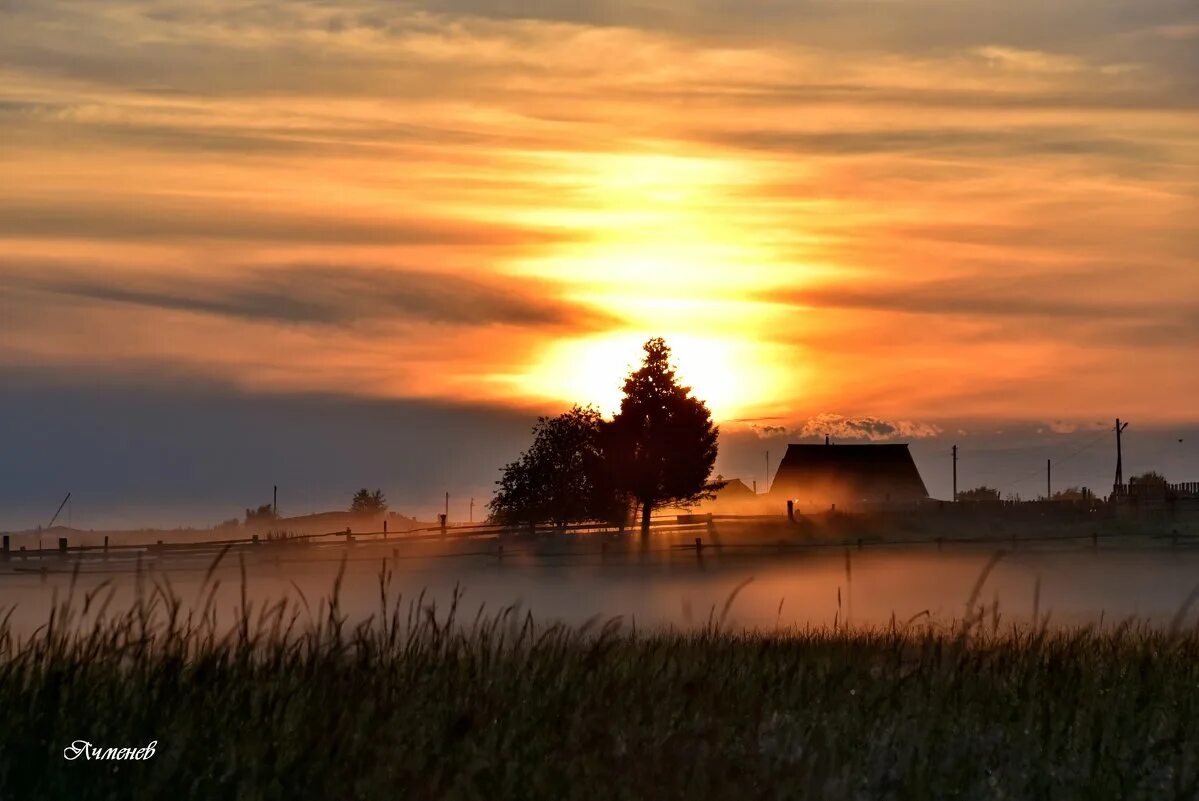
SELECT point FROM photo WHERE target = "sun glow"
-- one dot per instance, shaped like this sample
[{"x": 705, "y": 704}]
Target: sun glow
[
  {"x": 659, "y": 223},
  {"x": 734, "y": 377},
  {"x": 663, "y": 253}
]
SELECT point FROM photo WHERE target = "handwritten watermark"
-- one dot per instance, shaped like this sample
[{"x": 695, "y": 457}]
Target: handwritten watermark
[{"x": 84, "y": 749}]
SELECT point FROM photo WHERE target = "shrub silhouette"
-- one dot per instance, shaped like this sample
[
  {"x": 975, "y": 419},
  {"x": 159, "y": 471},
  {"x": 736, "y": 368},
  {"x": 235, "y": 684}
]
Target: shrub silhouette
[
  {"x": 263, "y": 514},
  {"x": 983, "y": 493}
]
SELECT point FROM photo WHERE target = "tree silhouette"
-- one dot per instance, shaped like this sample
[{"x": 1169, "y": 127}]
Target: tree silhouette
[
  {"x": 368, "y": 503},
  {"x": 263, "y": 514},
  {"x": 561, "y": 478},
  {"x": 983, "y": 493},
  {"x": 661, "y": 446},
  {"x": 1151, "y": 484}
]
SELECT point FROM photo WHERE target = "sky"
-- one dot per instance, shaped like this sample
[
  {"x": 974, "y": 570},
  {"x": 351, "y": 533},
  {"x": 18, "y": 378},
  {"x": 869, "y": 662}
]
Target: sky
[{"x": 266, "y": 224}]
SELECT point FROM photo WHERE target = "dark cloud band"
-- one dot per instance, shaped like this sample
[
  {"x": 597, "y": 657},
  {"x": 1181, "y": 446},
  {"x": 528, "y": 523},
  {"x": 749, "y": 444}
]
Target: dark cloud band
[{"x": 323, "y": 295}]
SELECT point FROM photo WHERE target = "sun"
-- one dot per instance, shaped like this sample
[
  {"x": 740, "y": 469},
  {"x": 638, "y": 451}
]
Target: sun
[
  {"x": 659, "y": 253},
  {"x": 728, "y": 374}
]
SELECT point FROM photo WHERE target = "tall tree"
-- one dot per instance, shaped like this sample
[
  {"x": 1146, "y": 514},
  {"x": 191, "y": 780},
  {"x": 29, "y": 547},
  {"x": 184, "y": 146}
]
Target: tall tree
[
  {"x": 560, "y": 478},
  {"x": 661, "y": 446}
]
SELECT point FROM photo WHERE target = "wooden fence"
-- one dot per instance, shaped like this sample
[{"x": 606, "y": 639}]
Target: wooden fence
[{"x": 691, "y": 533}]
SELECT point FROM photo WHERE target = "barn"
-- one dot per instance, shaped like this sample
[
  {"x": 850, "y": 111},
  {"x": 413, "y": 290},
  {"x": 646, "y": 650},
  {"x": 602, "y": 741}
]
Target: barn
[
  {"x": 850, "y": 476},
  {"x": 734, "y": 498}
]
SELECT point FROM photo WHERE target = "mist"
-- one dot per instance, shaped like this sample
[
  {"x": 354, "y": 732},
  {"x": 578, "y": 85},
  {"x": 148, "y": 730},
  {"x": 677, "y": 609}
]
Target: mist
[{"x": 665, "y": 588}]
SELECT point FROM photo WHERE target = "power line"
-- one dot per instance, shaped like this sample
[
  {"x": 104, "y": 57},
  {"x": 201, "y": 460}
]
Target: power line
[
  {"x": 1088, "y": 444},
  {"x": 1078, "y": 451}
]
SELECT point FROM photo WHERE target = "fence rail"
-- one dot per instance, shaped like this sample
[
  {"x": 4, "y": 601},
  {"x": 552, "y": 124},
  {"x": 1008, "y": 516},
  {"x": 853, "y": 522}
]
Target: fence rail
[
  {"x": 707, "y": 538},
  {"x": 1142, "y": 488},
  {"x": 348, "y": 535}
]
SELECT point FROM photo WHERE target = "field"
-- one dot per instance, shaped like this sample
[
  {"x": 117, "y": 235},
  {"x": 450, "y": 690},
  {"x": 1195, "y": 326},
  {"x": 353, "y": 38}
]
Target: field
[{"x": 417, "y": 702}]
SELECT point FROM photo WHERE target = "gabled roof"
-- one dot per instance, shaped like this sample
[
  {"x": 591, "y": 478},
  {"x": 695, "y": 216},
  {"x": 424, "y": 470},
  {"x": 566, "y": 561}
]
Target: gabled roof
[
  {"x": 852, "y": 472},
  {"x": 734, "y": 488}
]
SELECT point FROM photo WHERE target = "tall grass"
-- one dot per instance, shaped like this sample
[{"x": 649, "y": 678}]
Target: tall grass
[{"x": 293, "y": 702}]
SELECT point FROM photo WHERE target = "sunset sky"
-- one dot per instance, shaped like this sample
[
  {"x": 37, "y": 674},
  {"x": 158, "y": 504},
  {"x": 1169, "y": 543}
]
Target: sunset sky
[{"x": 916, "y": 219}]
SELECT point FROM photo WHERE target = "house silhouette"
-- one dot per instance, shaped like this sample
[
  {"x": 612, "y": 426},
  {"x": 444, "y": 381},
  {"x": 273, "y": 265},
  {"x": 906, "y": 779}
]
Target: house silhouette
[{"x": 848, "y": 476}]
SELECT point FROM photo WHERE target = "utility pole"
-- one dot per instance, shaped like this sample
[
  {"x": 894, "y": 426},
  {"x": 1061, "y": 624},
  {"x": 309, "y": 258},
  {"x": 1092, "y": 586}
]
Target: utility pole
[
  {"x": 1048, "y": 479},
  {"x": 447, "y": 506},
  {"x": 1119, "y": 456},
  {"x": 767, "y": 472},
  {"x": 955, "y": 473},
  {"x": 275, "y": 501},
  {"x": 471, "y": 519}
]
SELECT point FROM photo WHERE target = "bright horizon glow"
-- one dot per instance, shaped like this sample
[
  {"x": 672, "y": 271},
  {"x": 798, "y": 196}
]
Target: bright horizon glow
[{"x": 730, "y": 376}]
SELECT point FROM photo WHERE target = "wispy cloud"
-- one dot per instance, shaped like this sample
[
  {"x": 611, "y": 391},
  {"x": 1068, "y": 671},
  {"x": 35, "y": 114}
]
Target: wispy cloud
[
  {"x": 341, "y": 296},
  {"x": 1098, "y": 307},
  {"x": 1087, "y": 294},
  {"x": 149, "y": 217}
]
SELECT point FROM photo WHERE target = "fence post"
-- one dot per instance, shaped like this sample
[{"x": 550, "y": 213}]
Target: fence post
[
  {"x": 384, "y": 529},
  {"x": 441, "y": 522},
  {"x": 7, "y": 546},
  {"x": 105, "y": 546},
  {"x": 349, "y": 535},
  {"x": 62, "y": 544}
]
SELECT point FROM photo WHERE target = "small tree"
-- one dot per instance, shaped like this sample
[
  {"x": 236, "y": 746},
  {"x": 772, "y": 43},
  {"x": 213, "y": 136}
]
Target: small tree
[
  {"x": 263, "y": 514},
  {"x": 983, "y": 493},
  {"x": 1151, "y": 484},
  {"x": 561, "y": 477},
  {"x": 366, "y": 502},
  {"x": 661, "y": 446}
]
